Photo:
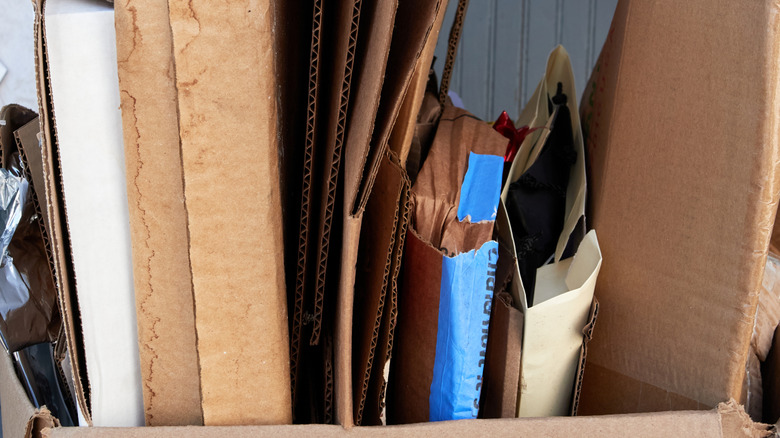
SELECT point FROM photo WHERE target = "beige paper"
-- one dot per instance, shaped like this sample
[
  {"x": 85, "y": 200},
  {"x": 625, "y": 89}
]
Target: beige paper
[
  {"x": 536, "y": 114},
  {"x": 553, "y": 323}
]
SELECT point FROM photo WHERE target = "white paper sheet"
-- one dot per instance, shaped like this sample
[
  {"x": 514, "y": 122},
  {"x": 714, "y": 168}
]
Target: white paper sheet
[{"x": 85, "y": 94}]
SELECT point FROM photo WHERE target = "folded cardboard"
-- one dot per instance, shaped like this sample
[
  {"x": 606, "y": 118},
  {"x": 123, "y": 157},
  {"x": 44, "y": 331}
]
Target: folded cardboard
[
  {"x": 681, "y": 116},
  {"x": 158, "y": 216}
]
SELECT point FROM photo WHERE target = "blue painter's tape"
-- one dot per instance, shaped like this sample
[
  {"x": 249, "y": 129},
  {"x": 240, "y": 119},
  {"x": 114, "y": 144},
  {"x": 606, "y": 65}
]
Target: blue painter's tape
[
  {"x": 467, "y": 283},
  {"x": 481, "y": 188}
]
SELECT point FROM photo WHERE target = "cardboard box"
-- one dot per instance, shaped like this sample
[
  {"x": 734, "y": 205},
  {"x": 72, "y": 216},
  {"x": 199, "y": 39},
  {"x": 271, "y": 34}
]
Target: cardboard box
[
  {"x": 682, "y": 134},
  {"x": 706, "y": 72}
]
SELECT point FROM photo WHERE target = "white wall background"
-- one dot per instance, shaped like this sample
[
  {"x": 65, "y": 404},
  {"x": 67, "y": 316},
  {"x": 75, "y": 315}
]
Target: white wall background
[
  {"x": 504, "y": 46},
  {"x": 16, "y": 54}
]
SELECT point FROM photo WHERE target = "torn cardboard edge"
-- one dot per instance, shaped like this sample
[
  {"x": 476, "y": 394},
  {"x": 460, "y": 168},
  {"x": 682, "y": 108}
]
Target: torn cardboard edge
[{"x": 158, "y": 222}]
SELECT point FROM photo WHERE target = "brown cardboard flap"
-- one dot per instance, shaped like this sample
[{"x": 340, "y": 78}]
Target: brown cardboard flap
[
  {"x": 373, "y": 47},
  {"x": 401, "y": 136},
  {"x": 684, "y": 224},
  {"x": 158, "y": 217},
  {"x": 599, "y": 386},
  {"x": 376, "y": 396},
  {"x": 436, "y": 191},
  {"x": 411, "y": 370},
  {"x": 374, "y": 276},
  {"x": 502, "y": 363},
  {"x": 14, "y": 117},
  {"x": 341, "y": 31},
  {"x": 417, "y": 19},
  {"x": 229, "y": 150}
]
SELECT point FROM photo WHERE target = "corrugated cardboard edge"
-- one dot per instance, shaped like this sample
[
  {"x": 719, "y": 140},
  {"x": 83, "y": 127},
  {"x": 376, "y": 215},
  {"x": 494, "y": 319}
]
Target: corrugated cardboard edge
[
  {"x": 587, "y": 335},
  {"x": 306, "y": 202},
  {"x": 364, "y": 377},
  {"x": 329, "y": 189},
  {"x": 59, "y": 235}
]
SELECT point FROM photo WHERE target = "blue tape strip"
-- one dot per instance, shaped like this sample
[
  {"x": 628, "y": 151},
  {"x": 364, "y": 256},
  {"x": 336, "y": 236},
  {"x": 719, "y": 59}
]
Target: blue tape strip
[
  {"x": 481, "y": 188},
  {"x": 467, "y": 283}
]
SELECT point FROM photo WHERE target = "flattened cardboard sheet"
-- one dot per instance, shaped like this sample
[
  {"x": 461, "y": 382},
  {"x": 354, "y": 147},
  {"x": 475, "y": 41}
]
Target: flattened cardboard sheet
[
  {"x": 701, "y": 212},
  {"x": 417, "y": 19},
  {"x": 375, "y": 278},
  {"x": 336, "y": 43},
  {"x": 375, "y": 411},
  {"x": 371, "y": 55},
  {"x": 401, "y": 136},
  {"x": 411, "y": 372},
  {"x": 502, "y": 362},
  {"x": 158, "y": 217},
  {"x": 225, "y": 76}
]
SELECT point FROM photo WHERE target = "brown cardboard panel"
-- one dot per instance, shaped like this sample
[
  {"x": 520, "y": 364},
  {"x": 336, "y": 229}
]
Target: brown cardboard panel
[
  {"x": 343, "y": 324},
  {"x": 415, "y": 349},
  {"x": 599, "y": 386},
  {"x": 375, "y": 412},
  {"x": 371, "y": 54},
  {"x": 502, "y": 363},
  {"x": 401, "y": 136},
  {"x": 225, "y": 76},
  {"x": 770, "y": 372},
  {"x": 55, "y": 212},
  {"x": 726, "y": 421},
  {"x": 373, "y": 277},
  {"x": 158, "y": 217},
  {"x": 669, "y": 290},
  {"x": 417, "y": 19},
  {"x": 342, "y": 32}
]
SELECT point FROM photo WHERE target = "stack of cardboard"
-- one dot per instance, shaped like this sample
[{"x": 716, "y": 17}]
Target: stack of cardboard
[{"x": 682, "y": 121}]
